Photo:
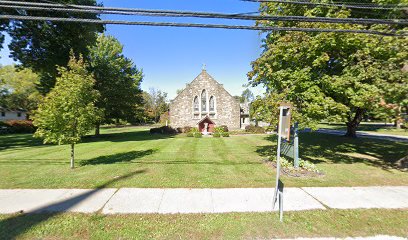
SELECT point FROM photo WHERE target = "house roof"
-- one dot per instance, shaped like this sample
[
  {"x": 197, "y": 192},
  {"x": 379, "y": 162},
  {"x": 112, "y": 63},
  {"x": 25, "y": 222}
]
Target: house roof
[
  {"x": 4, "y": 109},
  {"x": 206, "y": 117}
]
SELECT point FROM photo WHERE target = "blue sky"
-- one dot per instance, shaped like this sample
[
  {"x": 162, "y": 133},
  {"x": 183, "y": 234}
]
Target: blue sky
[{"x": 172, "y": 57}]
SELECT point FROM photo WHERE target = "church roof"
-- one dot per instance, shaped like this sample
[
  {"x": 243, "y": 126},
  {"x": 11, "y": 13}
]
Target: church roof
[{"x": 204, "y": 118}]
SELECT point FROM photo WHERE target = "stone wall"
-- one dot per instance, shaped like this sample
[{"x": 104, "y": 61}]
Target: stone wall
[{"x": 227, "y": 109}]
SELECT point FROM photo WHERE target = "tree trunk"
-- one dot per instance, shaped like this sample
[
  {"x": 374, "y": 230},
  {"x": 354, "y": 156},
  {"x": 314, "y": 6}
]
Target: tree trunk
[
  {"x": 72, "y": 155},
  {"x": 352, "y": 124},
  {"x": 398, "y": 118},
  {"x": 97, "y": 129}
]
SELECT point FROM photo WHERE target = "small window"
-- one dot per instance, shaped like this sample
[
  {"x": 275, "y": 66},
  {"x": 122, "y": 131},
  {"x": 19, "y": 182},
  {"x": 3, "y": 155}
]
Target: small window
[
  {"x": 203, "y": 101},
  {"x": 19, "y": 114},
  {"x": 196, "y": 104},
  {"x": 3, "y": 114},
  {"x": 243, "y": 120},
  {"x": 212, "y": 104}
]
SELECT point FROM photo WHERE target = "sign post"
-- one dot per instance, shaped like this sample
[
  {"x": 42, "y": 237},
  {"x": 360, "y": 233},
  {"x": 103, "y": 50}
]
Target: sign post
[
  {"x": 296, "y": 146},
  {"x": 283, "y": 132}
]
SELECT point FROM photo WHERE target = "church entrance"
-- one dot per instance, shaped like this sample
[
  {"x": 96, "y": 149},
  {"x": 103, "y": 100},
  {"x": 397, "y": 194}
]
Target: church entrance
[{"x": 206, "y": 125}]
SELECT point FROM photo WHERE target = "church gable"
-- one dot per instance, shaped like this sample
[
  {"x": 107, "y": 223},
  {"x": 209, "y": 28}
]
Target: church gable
[{"x": 204, "y": 96}]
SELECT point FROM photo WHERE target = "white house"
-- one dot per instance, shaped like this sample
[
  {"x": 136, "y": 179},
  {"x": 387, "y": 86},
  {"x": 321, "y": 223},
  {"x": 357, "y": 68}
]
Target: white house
[{"x": 12, "y": 114}]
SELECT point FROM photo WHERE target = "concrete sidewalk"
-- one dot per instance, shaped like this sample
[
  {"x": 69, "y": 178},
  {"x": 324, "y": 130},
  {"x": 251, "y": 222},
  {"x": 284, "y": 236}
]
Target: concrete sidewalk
[{"x": 181, "y": 200}]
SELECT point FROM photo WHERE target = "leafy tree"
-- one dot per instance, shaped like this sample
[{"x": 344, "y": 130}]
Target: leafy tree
[
  {"x": 42, "y": 46},
  {"x": 19, "y": 88},
  {"x": 117, "y": 79},
  {"x": 247, "y": 96},
  {"x": 68, "y": 111},
  {"x": 156, "y": 103},
  {"x": 326, "y": 75}
]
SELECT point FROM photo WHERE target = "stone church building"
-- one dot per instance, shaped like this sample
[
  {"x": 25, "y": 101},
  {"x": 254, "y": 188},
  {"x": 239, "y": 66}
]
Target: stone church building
[{"x": 204, "y": 103}]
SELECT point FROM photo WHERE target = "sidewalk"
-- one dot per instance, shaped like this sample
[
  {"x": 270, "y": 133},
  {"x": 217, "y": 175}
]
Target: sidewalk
[{"x": 181, "y": 200}]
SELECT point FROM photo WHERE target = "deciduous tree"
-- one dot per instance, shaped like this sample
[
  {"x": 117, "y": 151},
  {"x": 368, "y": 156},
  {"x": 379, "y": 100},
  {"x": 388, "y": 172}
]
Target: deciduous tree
[
  {"x": 117, "y": 79},
  {"x": 19, "y": 88},
  {"x": 68, "y": 111},
  {"x": 326, "y": 75},
  {"x": 42, "y": 46}
]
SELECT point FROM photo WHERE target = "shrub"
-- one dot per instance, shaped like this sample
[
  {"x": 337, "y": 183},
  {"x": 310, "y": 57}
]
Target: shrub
[
  {"x": 225, "y": 134},
  {"x": 194, "y": 130},
  {"x": 21, "y": 126},
  {"x": 198, "y": 135},
  {"x": 225, "y": 128},
  {"x": 254, "y": 129},
  {"x": 187, "y": 129},
  {"x": 190, "y": 134},
  {"x": 163, "y": 130},
  {"x": 216, "y": 134},
  {"x": 218, "y": 129}
]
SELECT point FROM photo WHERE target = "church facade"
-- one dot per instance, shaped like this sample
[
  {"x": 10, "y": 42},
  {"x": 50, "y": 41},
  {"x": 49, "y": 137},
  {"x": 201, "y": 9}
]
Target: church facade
[{"x": 204, "y": 103}]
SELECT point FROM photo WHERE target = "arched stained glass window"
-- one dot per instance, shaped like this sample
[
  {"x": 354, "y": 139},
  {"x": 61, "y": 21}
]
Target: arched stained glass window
[
  {"x": 203, "y": 101},
  {"x": 196, "y": 104},
  {"x": 212, "y": 104}
]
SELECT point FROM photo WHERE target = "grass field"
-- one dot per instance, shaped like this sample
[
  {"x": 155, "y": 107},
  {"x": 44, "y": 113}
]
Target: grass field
[
  {"x": 369, "y": 128},
  {"x": 131, "y": 157},
  {"x": 328, "y": 223}
]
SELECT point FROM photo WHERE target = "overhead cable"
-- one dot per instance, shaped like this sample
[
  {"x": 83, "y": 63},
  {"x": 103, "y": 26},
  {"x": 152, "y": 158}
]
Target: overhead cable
[
  {"x": 167, "y": 13},
  {"x": 377, "y": 7},
  {"x": 195, "y": 25}
]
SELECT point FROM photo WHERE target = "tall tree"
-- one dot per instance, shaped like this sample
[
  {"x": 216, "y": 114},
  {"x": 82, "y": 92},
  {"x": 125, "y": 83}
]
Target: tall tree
[
  {"x": 68, "y": 111},
  {"x": 42, "y": 46},
  {"x": 247, "y": 96},
  {"x": 19, "y": 88},
  {"x": 117, "y": 79},
  {"x": 156, "y": 103},
  {"x": 325, "y": 75}
]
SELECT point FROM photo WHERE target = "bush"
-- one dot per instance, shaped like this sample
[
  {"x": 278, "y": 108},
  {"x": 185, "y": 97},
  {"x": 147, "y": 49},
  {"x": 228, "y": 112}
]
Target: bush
[
  {"x": 218, "y": 130},
  {"x": 163, "y": 130},
  {"x": 187, "y": 129},
  {"x": 254, "y": 129},
  {"x": 225, "y": 128},
  {"x": 194, "y": 130},
  {"x": 198, "y": 135},
  {"x": 190, "y": 134},
  {"x": 21, "y": 126},
  {"x": 225, "y": 134},
  {"x": 216, "y": 134}
]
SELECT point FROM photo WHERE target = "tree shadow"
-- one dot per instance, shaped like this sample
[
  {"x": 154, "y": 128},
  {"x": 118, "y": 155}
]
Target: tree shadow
[
  {"x": 317, "y": 148},
  {"x": 27, "y": 140},
  {"x": 117, "y": 158},
  {"x": 16, "y": 225},
  {"x": 19, "y": 141},
  {"x": 126, "y": 137}
]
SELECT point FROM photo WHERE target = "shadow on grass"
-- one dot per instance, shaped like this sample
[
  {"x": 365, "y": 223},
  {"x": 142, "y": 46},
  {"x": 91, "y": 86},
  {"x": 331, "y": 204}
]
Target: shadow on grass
[
  {"x": 317, "y": 148},
  {"x": 117, "y": 158},
  {"x": 16, "y": 225},
  {"x": 19, "y": 141},
  {"x": 126, "y": 137},
  {"x": 27, "y": 140}
]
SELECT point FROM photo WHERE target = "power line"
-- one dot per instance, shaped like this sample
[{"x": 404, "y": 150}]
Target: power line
[
  {"x": 167, "y": 13},
  {"x": 372, "y": 7},
  {"x": 125, "y": 9},
  {"x": 195, "y": 25}
]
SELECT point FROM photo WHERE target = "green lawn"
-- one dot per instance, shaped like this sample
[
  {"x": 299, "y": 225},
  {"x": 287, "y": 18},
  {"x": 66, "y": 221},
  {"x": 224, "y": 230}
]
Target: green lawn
[
  {"x": 369, "y": 128},
  {"x": 328, "y": 223},
  {"x": 131, "y": 157}
]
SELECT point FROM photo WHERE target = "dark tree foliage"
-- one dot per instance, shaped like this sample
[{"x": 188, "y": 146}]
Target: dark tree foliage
[{"x": 42, "y": 46}]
